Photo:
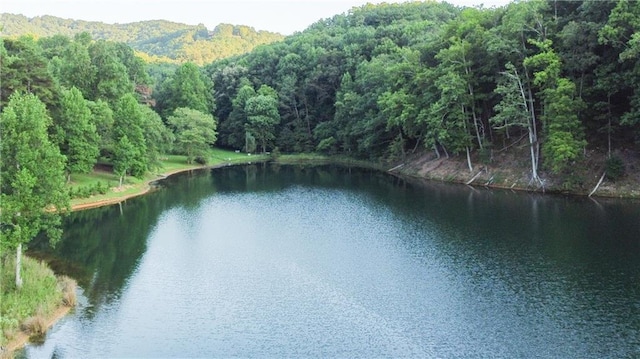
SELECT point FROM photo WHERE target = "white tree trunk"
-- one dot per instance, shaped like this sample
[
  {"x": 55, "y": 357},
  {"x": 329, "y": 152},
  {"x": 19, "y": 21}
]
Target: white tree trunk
[
  {"x": 18, "y": 266},
  {"x": 531, "y": 127},
  {"x": 469, "y": 160}
]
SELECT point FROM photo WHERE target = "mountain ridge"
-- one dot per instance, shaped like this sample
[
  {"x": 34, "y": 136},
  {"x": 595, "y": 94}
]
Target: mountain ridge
[{"x": 159, "y": 40}]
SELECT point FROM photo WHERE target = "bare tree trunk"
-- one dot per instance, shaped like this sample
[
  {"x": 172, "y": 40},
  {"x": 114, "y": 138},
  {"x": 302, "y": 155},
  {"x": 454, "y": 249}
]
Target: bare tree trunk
[
  {"x": 469, "y": 160},
  {"x": 121, "y": 180},
  {"x": 435, "y": 148},
  {"x": 598, "y": 185},
  {"x": 534, "y": 146},
  {"x": 533, "y": 128},
  {"x": 18, "y": 266}
]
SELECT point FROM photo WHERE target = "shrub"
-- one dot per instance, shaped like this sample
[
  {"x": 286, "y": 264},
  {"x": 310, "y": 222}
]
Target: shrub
[
  {"x": 36, "y": 325},
  {"x": 615, "y": 168},
  {"x": 68, "y": 287},
  {"x": 201, "y": 160}
]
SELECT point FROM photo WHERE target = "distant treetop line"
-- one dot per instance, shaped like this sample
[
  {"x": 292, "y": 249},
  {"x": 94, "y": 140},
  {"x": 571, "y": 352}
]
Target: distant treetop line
[{"x": 155, "y": 40}]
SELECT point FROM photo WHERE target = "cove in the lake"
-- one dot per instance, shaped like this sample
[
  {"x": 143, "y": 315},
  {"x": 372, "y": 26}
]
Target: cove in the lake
[{"x": 324, "y": 261}]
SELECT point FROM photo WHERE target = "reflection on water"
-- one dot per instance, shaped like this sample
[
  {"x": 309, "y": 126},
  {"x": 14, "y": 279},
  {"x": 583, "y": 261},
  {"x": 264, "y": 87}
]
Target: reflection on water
[{"x": 326, "y": 261}]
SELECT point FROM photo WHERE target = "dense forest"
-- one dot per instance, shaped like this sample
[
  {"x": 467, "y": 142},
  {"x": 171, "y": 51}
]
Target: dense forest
[
  {"x": 548, "y": 81},
  {"x": 556, "y": 77},
  {"x": 155, "y": 41}
]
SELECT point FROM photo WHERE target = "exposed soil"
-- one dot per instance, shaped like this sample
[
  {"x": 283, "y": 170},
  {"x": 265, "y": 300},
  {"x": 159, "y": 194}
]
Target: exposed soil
[{"x": 512, "y": 169}]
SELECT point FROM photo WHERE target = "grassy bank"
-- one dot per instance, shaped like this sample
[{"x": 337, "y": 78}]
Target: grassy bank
[
  {"x": 314, "y": 158},
  {"x": 133, "y": 186},
  {"x": 30, "y": 310}
]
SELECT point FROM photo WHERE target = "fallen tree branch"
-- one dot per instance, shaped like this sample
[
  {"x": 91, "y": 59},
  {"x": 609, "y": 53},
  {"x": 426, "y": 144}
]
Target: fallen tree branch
[
  {"x": 598, "y": 185},
  {"x": 474, "y": 177},
  {"x": 396, "y": 167}
]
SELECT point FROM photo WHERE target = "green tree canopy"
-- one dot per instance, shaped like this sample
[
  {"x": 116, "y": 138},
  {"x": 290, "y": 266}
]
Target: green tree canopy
[
  {"x": 33, "y": 193},
  {"x": 76, "y": 133},
  {"x": 195, "y": 132},
  {"x": 129, "y": 122},
  {"x": 262, "y": 115}
]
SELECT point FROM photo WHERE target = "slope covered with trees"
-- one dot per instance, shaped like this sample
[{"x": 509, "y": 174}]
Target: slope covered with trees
[
  {"x": 548, "y": 81},
  {"x": 156, "y": 40}
]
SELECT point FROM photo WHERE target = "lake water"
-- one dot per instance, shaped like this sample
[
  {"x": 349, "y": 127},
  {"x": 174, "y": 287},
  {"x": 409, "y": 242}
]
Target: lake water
[{"x": 324, "y": 261}]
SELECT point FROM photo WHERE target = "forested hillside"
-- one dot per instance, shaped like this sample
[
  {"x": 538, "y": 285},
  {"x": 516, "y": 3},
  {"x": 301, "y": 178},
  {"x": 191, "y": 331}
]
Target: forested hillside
[
  {"x": 552, "y": 85},
  {"x": 158, "y": 41},
  {"x": 548, "y": 81}
]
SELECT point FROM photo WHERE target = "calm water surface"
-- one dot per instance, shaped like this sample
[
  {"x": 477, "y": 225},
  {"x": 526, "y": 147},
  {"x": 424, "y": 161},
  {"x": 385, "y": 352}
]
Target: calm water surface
[{"x": 277, "y": 261}]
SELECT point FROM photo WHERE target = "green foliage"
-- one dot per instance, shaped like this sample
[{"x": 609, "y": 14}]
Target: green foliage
[
  {"x": 158, "y": 137},
  {"x": 195, "y": 133},
  {"x": 615, "y": 168},
  {"x": 32, "y": 181},
  {"x": 262, "y": 115},
  {"x": 40, "y": 295},
  {"x": 186, "y": 88},
  {"x": 102, "y": 118},
  {"x": 77, "y": 135},
  {"x": 156, "y": 40},
  {"x": 89, "y": 190},
  {"x": 377, "y": 82},
  {"x": 24, "y": 68},
  {"x": 112, "y": 80},
  {"x": 233, "y": 129},
  {"x": 561, "y": 148},
  {"x": 130, "y": 153}
]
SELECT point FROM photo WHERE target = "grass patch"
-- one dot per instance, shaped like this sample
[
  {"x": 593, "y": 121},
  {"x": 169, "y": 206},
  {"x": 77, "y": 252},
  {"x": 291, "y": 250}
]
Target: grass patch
[
  {"x": 314, "y": 158},
  {"x": 174, "y": 163},
  {"x": 88, "y": 179},
  {"x": 133, "y": 186},
  {"x": 27, "y": 308}
]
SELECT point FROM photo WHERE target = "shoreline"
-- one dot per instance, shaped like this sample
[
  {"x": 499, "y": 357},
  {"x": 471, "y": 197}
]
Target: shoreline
[
  {"x": 146, "y": 187},
  {"x": 22, "y": 339}
]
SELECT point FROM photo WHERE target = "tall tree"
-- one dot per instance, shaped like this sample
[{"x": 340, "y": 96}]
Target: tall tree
[
  {"x": 263, "y": 116},
  {"x": 233, "y": 130},
  {"x": 158, "y": 137},
  {"x": 515, "y": 109},
  {"x": 195, "y": 132},
  {"x": 129, "y": 122},
  {"x": 24, "y": 68},
  {"x": 76, "y": 68},
  {"x": 111, "y": 81},
  {"x": 622, "y": 33},
  {"x": 188, "y": 88},
  {"x": 33, "y": 193},
  {"x": 126, "y": 155},
  {"x": 559, "y": 108},
  {"x": 102, "y": 118},
  {"x": 76, "y": 134}
]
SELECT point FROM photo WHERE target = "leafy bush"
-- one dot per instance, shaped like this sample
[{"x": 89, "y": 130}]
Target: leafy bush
[
  {"x": 615, "y": 168},
  {"x": 90, "y": 190},
  {"x": 200, "y": 160}
]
